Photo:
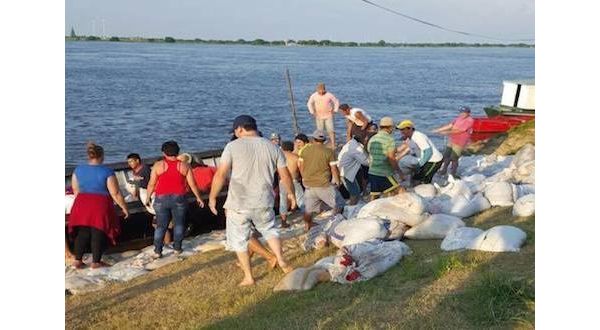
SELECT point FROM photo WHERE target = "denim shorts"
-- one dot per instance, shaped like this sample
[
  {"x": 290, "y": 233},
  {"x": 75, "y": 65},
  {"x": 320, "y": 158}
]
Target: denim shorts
[
  {"x": 239, "y": 226},
  {"x": 325, "y": 124},
  {"x": 283, "y": 202}
]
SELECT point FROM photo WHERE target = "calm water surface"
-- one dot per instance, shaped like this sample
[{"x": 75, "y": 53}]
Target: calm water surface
[{"x": 131, "y": 97}]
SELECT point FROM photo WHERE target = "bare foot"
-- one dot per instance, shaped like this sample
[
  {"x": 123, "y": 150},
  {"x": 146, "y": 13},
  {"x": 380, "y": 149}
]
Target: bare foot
[
  {"x": 78, "y": 264},
  {"x": 247, "y": 282},
  {"x": 284, "y": 224},
  {"x": 99, "y": 264},
  {"x": 308, "y": 226}
]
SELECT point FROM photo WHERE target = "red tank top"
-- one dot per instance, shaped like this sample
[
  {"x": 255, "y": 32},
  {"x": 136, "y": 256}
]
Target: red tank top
[{"x": 171, "y": 181}]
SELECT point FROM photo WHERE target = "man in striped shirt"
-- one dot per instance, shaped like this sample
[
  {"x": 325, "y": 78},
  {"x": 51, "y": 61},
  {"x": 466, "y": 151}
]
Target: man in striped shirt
[{"x": 383, "y": 164}]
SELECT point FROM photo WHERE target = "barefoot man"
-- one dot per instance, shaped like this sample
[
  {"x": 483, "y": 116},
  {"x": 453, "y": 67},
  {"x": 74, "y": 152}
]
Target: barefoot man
[{"x": 252, "y": 162}]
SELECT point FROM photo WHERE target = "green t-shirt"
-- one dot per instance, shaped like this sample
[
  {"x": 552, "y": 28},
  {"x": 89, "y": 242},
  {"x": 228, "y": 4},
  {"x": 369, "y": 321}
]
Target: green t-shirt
[
  {"x": 315, "y": 160},
  {"x": 379, "y": 146}
]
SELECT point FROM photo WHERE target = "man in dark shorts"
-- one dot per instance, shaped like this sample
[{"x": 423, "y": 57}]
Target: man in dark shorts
[
  {"x": 383, "y": 164},
  {"x": 430, "y": 159}
]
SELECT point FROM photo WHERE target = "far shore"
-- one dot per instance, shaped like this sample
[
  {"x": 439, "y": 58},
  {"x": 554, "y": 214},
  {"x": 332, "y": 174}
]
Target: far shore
[{"x": 292, "y": 43}]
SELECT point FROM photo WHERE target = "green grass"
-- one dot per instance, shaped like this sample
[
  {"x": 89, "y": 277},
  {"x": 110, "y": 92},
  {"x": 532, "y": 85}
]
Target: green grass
[{"x": 428, "y": 289}]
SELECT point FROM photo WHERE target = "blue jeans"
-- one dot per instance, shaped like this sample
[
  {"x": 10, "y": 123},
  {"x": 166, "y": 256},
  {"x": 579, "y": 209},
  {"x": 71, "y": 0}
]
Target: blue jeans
[
  {"x": 352, "y": 187},
  {"x": 167, "y": 206}
]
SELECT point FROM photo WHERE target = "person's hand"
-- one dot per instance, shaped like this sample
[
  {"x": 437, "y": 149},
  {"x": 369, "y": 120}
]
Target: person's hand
[
  {"x": 125, "y": 213},
  {"x": 212, "y": 205},
  {"x": 292, "y": 200},
  {"x": 200, "y": 202},
  {"x": 336, "y": 182}
]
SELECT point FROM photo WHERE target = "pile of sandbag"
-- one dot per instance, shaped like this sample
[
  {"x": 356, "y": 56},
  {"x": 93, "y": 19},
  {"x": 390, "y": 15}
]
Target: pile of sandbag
[
  {"x": 495, "y": 239},
  {"x": 458, "y": 200}
]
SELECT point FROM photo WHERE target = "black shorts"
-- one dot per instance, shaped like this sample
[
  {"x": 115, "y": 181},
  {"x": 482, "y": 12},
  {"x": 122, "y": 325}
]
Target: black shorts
[
  {"x": 425, "y": 173},
  {"x": 382, "y": 184}
]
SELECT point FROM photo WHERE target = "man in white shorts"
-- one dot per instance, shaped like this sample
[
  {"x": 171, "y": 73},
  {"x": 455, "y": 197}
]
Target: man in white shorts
[{"x": 252, "y": 162}]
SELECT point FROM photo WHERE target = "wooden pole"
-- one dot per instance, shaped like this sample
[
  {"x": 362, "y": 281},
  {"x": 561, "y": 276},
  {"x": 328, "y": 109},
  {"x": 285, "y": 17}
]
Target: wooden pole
[{"x": 292, "y": 104}]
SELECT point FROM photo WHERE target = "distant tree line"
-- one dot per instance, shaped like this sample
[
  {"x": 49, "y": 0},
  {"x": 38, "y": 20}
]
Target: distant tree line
[{"x": 311, "y": 42}]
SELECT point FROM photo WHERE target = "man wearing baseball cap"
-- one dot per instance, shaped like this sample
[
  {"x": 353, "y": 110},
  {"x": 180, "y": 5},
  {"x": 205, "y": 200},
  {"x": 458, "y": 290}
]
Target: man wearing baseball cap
[
  {"x": 459, "y": 132},
  {"x": 252, "y": 162},
  {"x": 382, "y": 160},
  {"x": 318, "y": 169},
  {"x": 430, "y": 159}
]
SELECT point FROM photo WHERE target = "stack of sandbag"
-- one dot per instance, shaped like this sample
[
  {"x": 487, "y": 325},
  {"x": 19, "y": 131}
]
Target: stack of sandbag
[
  {"x": 499, "y": 239},
  {"x": 435, "y": 226},
  {"x": 458, "y": 200},
  {"x": 524, "y": 206},
  {"x": 524, "y": 165},
  {"x": 459, "y": 238},
  {"x": 357, "y": 230},
  {"x": 405, "y": 207},
  {"x": 361, "y": 262}
]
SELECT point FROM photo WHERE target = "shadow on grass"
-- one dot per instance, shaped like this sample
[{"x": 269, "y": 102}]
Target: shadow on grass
[
  {"x": 429, "y": 289},
  {"x": 101, "y": 302}
]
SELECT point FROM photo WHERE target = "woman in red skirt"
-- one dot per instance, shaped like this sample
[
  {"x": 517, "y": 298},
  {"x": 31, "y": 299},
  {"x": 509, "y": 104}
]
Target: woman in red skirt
[{"x": 93, "y": 220}]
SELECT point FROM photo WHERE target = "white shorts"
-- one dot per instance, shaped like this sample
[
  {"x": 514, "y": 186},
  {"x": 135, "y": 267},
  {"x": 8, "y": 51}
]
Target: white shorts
[
  {"x": 238, "y": 227},
  {"x": 325, "y": 124}
]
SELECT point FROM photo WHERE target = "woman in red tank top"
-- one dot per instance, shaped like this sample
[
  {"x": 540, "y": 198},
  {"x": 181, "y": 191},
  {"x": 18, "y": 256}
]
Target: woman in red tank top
[{"x": 168, "y": 181}]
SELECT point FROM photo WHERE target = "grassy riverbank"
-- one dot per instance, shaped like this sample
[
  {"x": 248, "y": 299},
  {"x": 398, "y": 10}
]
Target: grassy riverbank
[{"x": 429, "y": 288}]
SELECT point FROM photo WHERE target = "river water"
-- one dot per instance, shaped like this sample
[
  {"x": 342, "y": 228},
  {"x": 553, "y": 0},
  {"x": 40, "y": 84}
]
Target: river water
[{"x": 131, "y": 97}]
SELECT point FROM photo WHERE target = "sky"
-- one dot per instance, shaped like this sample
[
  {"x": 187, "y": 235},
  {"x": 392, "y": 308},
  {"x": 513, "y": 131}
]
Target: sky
[{"x": 340, "y": 20}]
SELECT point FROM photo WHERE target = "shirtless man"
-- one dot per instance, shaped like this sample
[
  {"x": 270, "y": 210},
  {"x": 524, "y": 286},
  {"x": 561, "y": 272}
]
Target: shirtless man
[{"x": 292, "y": 165}]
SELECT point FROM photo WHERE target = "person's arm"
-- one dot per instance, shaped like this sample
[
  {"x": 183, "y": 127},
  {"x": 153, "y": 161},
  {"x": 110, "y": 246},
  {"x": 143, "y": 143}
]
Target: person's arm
[
  {"x": 74, "y": 185},
  {"x": 115, "y": 193},
  {"x": 443, "y": 129},
  {"x": 336, "y": 103},
  {"x": 335, "y": 173},
  {"x": 348, "y": 129},
  {"x": 391, "y": 157},
  {"x": 402, "y": 150},
  {"x": 152, "y": 182},
  {"x": 217, "y": 184},
  {"x": 189, "y": 177},
  {"x": 285, "y": 178},
  {"x": 310, "y": 104},
  {"x": 359, "y": 115}
]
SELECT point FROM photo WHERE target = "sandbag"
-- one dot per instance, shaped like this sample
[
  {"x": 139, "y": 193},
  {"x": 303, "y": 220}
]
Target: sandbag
[
  {"x": 396, "y": 229},
  {"x": 524, "y": 189},
  {"x": 476, "y": 204},
  {"x": 408, "y": 164},
  {"x": 292, "y": 281},
  {"x": 499, "y": 193},
  {"x": 357, "y": 231},
  {"x": 406, "y": 207},
  {"x": 351, "y": 211},
  {"x": 426, "y": 190},
  {"x": 524, "y": 206},
  {"x": 475, "y": 182},
  {"x": 525, "y": 173},
  {"x": 456, "y": 188},
  {"x": 499, "y": 239},
  {"x": 316, "y": 238},
  {"x": 459, "y": 238},
  {"x": 525, "y": 155},
  {"x": 435, "y": 226},
  {"x": 366, "y": 260}
]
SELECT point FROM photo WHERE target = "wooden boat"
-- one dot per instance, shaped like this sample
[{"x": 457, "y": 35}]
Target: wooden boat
[{"x": 137, "y": 230}]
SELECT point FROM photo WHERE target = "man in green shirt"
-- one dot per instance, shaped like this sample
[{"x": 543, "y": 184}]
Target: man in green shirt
[
  {"x": 382, "y": 160},
  {"x": 318, "y": 169}
]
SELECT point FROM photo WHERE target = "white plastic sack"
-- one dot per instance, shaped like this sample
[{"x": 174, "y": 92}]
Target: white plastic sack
[
  {"x": 316, "y": 238},
  {"x": 406, "y": 207},
  {"x": 301, "y": 279},
  {"x": 69, "y": 199},
  {"x": 475, "y": 182},
  {"x": 525, "y": 155},
  {"x": 525, "y": 189},
  {"x": 499, "y": 239},
  {"x": 456, "y": 188},
  {"x": 351, "y": 211},
  {"x": 396, "y": 229},
  {"x": 357, "y": 231},
  {"x": 499, "y": 193},
  {"x": 366, "y": 260},
  {"x": 524, "y": 206},
  {"x": 408, "y": 164},
  {"x": 525, "y": 173},
  {"x": 426, "y": 190},
  {"x": 459, "y": 238},
  {"x": 476, "y": 204},
  {"x": 436, "y": 226}
]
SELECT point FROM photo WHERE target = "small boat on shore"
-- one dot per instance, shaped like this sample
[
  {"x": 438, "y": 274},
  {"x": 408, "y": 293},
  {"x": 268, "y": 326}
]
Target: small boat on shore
[{"x": 516, "y": 107}]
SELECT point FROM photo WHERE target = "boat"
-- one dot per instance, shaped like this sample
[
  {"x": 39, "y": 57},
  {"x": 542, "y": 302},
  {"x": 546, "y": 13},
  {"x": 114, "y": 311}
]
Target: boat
[
  {"x": 137, "y": 231},
  {"x": 516, "y": 107}
]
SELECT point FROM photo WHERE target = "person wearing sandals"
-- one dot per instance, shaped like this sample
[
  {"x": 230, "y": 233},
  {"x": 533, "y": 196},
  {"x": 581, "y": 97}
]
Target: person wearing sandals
[
  {"x": 168, "y": 180},
  {"x": 93, "y": 220}
]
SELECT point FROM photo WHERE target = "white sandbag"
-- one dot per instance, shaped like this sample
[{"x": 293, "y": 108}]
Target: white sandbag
[
  {"x": 357, "y": 231},
  {"x": 459, "y": 238},
  {"x": 435, "y": 226},
  {"x": 524, "y": 206},
  {"x": 476, "y": 204},
  {"x": 525, "y": 173},
  {"x": 316, "y": 238},
  {"x": 292, "y": 281},
  {"x": 505, "y": 175},
  {"x": 439, "y": 204},
  {"x": 525, "y": 155},
  {"x": 406, "y": 207},
  {"x": 426, "y": 190},
  {"x": 366, "y": 260},
  {"x": 524, "y": 189},
  {"x": 499, "y": 239},
  {"x": 351, "y": 211},
  {"x": 396, "y": 229},
  {"x": 408, "y": 164},
  {"x": 475, "y": 182},
  {"x": 80, "y": 283},
  {"x": 499, "y": 193},
  {"x": 456, "y": 188}
]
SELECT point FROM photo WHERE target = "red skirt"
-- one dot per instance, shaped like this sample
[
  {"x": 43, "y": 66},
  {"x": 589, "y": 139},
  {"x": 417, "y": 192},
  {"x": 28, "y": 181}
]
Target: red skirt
[{"x": 96, "y": 211}]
